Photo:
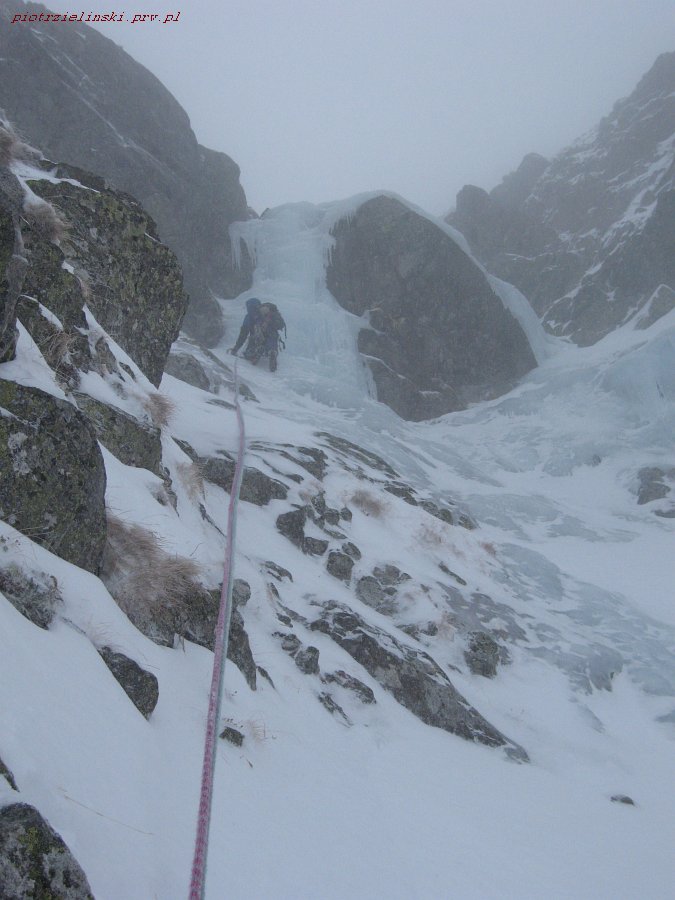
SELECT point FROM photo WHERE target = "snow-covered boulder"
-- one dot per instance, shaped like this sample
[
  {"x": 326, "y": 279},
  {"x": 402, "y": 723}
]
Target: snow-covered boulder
[
  {"x": 52, "y": 475},
  {"x": 436, "y": 335},
  {"x": 34, "y": 860}
]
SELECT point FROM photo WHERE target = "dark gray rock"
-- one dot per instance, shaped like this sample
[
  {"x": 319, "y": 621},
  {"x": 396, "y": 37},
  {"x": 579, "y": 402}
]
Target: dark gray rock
[
  {"x": 311, "y": 459},
  {"x": 256, "y": 487},
  {"x": 35, "y": 863},
  {"x": 415, "y": 680},
  {"x": 134, "y": 283},
  {"x": 186, "y": 368},
  {"x": 12, "y": 262},
  {"x": 333, "y": 707},
  {"x": 346, "y": 514},
  {"x": 623, "y": 798},
  {"x": 331, "y": 516},
  {"x": 307, "y": 660},
  {"x": 369, "y": 591},
  {"x": 452, "y": 574},
  {"x": 362, "y": 691},
  {"x": 390, "y": 576},
  {"x": 134, "y": 443},
  {"x": 239, "y": 650},
  {"x": 404, "y": 491},
  {"x": 290, "y": 643},
  {"x": 7, "y": 775},
  {"x": 484, "y": 654},
  {"x": 241, "y": 592},
  {"x": 140, "y": 686},
  {"x": 277, "y": 571},
  {"x": 345, "y": 448},
  {"x": 351, "y": 550},
  {"x": 653, "y": 483},
  {"x": 339, "y": 565},
  {"x": 292, "y": 525},
  {"x": 314, "y": 546},
  {"x": 52, "y": 476},
  {"x": 36, "y": 596},
  {"x": 139, "y": 138},
  {"x": 437, "y": 335},
  {"x": 233, "y": 735}
]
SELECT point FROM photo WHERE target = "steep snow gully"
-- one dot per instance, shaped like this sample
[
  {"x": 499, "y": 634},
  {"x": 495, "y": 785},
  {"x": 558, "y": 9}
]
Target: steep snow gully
[{"x": 338, "y": 789}]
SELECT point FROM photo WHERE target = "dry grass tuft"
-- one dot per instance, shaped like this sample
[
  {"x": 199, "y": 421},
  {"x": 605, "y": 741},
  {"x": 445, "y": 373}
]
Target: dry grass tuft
[
  {"x": 57, "y": 348},
  {"x": 489, "y": 548},
  {"x": 45, "y": 221},
  {"x": 432, "y": 535},
  {"x": 446, "y": 627},
  {"x": 148, "y": 583},
  {"x": 368, "y": 503},
  {"x": 192, "y": 476},
  {"x": 159, "y": 408}
]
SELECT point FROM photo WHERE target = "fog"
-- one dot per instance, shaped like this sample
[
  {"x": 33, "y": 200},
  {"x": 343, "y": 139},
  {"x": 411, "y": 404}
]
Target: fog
[{"x": 317, "y": 101}]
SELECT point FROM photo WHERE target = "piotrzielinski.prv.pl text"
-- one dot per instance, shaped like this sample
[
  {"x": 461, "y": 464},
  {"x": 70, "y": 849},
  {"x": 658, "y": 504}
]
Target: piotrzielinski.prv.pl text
[{"x": 132, "y": 18}]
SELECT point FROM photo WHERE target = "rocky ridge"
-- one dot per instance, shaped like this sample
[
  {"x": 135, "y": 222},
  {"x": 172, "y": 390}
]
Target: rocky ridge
[
  {"x": 588, "y": 235},
  {"x": 138, "y": 138}
]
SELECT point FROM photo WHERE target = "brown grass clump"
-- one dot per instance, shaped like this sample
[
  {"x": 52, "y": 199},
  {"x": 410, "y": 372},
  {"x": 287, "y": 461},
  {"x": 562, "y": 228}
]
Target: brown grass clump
[
  {"x": 368, "y": 503},
  {"x": 45, "y": 221},
  {"x": 160, "y": 409},
  {"x": 150, "y": 585},
  {"x": 57, "y": 348},
  {"x": 192, "y": 476}
]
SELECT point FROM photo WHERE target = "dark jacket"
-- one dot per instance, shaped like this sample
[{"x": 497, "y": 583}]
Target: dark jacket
[{"x": 251, "y": 319}]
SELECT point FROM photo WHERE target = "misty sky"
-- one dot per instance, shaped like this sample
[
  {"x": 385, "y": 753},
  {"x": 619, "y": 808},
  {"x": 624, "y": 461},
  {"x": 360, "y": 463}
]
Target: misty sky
[{"x": 318, "y": 100}]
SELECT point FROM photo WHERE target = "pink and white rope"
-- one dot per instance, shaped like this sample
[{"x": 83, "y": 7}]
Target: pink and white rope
[{"x": 222, "y": 637}]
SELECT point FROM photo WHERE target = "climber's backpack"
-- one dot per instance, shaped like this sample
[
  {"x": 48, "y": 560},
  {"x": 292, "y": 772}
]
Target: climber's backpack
[{"x": 276, "y": 322}]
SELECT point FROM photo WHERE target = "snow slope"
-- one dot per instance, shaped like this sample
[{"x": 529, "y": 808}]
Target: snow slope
[{"x": 380, "y": 806}]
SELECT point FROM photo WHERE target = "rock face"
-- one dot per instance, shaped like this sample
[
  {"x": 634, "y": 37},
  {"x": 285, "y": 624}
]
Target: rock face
[
  {"x": 412, "y": 676},
  {"x": 35, "y": 863},
  {"x": 436, "y": 335},
  {"x": 588, "y": 237},
  {"x": 93, "y": 105},
  {"x": 36, "y": 596},
  {"x": 129, "y": 280},
  {"x": 52, "y": 476},
  {"x": 141, "y": 687},
  {"x": 12, "y": 263},
  {"x": 133, "y": 443}
]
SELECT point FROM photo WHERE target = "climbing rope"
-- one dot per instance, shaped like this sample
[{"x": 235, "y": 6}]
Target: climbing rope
[{"x": 222, "y": 638}]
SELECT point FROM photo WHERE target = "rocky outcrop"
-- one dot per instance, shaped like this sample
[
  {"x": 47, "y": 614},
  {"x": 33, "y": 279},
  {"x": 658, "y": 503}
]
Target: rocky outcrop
[
  {"x": 110, "y": 259},
  {"x": 35, "y": 863},
  {"x": 134, "y": 443},
  {"x": 7, "y": 775},
  {"x": 96, "y": 107},
  {"x": 35, "y": 596},
  {"x": 412, "y": 676},
  {"x": 588, "y": 236},
  {"x": 52, "y": 476},
  {"x": 12, "y": 262},
  {"x": 484, "y": 654},
  {"x": 256, "y": 486},
  {"x": 140, "y": 686},
  {"x": 435, "y": 335}
]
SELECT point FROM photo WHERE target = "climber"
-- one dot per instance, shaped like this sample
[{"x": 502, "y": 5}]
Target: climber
[{"x": 261, "y": 326}]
